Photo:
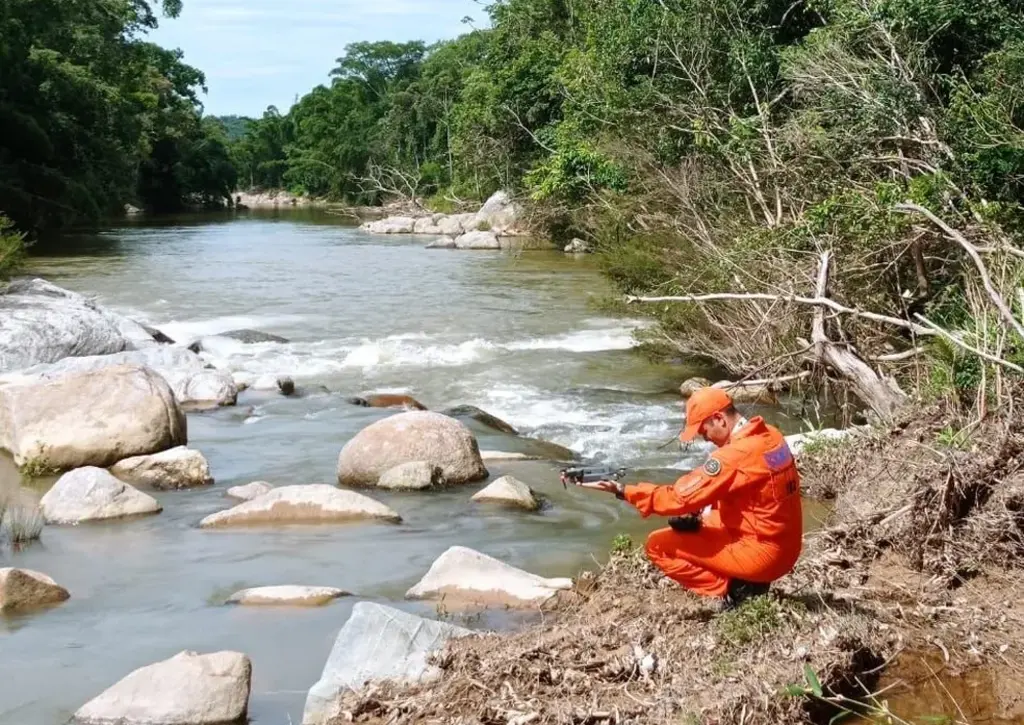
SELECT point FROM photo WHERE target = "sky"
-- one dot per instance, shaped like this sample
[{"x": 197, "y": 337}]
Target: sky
[{"x": 257, "y": 53}]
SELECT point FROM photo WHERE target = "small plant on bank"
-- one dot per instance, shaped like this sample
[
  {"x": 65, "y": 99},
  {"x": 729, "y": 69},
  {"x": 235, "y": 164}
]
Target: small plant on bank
[
  {"x": 37, "y": 467},
  {"x": 20, "y": 523},
  {"x": 751, "y": 621},
  {"x": 621, "y": 544},
  {"x": 952, "y": 437},
  {"x": 483, "y": 226}
]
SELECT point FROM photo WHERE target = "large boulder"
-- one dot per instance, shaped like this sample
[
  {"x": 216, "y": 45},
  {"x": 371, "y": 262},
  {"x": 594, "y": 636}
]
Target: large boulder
[
  {"x": 94, "y": 418},
  {"x": 296, "y": 596},
  {"x": 42, "y": 323},
  {"x": 22, "y": 589},
  {"x": 406, "y": 437},
  {"x": 428, "y": 224},
  {"x": 500, "y": 214},
  {"x": 187, "y": 689},
  {"x": 509, "y": 491},
  {"x": 455, "y": 224},
  {"x": 175, "y": 468},
  {"x": 412, "y": 476},
  {"x": 92, "y": 494},
  {"x": 194, "y": 384},
  {"x": 478, "y": 240},
  {"x": 377, "y": 644},
  {"x": 310, "y": 504},
  {"x": 465, "y": 576}
]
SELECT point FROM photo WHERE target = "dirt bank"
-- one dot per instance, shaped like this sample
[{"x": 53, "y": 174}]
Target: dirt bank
[{"x": 921, "y": 559}]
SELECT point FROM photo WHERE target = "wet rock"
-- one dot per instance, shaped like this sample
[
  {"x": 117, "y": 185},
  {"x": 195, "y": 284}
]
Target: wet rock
[
  {"x": 488, "y": 456},
  {"x": 391, "y": 225},
  {"x": 577, "y": 246},
  {"x": 22, "y": 589},
  {"x": 412, "y": 476},
  {"x": 43, "y": 323},
  {"x": 388, "y": 400},
  {"x": 176, "y": 468},
  {"x": 478, "y": 240},
  {"x": 92, "y": 494},
  {"x": 286, "y": 386},
  {"x": 94, "y": 418},
  {"x": 692, "y": 385},
  {"x": 442, "y": 243},
  {"x": 377, "y": 644},
  {"x": 311, "y": 504},
  {"x": 509, "y": 491},
  {"x": 187, "y": 689},
  {"x": 463, "y": 575},
  {"x": 481, "y": 416},
  {"x": 249, "y": 491},
  {"x": 407, "y": 437},
  {"x": 296, "y": 596},
  {"x": 194, "y": 384},
  {"x": 157, "y": 336},
  {"x": 250, "y": 337}
]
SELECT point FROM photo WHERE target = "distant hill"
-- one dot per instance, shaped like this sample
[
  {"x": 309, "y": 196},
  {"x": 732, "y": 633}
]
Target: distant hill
[{"x": 235, "y": 125}]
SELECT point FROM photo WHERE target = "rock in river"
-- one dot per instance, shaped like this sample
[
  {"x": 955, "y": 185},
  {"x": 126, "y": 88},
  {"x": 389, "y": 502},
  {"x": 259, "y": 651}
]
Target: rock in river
[
  {"x": 187, "y": 689},
  {"x": 94, "y": 418},
  {"x": 510, "y": 491},
  {"x": 92, "y": 494},
  {"x": 22, "y": 589},
  {"x": 412, "y": 476},
  {"x": 175, "y": 468},
  {"x": 462, "y": 575},
  {"x": 309, "y": 504},
  {"x": 377, "y": 644},
  {"x": 297, "y": 596},
  {"x": 406, "y": 437},
  {"x": 249, "y": 491}
]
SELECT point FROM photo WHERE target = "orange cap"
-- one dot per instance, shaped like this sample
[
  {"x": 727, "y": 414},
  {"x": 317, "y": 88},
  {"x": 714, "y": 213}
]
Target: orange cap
[{"x": 702, "y": 405}]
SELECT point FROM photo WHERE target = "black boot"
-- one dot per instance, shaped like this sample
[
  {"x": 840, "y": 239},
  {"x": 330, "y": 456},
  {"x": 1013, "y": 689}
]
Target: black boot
[{"x": 740, "y": 591}]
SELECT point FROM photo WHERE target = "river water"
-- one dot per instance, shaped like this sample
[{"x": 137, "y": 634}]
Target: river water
[{"x": 516, "y": 334}]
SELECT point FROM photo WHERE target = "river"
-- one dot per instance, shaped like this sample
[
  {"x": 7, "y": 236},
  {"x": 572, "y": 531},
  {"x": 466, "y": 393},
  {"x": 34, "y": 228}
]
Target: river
[{"x": 513, "y": 333}]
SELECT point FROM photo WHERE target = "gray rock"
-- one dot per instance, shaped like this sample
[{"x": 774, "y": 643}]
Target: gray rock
[
  {"x": 176, "y": 468},
  {"x": 287, "y": 595},
  {"x": 42, "y": 323},
  {"x": 509, "y": 491},
  {"x": 500, "y": 214},
  {"x": 481, "y": 416},
  {"x": 250, "y": 337},
  {"x": 377, "y": 644},
  {"x": 22, "y": 589},
  {"x": 577, "y": 246},
  {"x": 391, "y": 225},
  {"x": 442, "y": 243},
  {"x": 412, "y": 476},
  {"x": 187, "y": 689},
  {"x": 94, "y": 418},
  {"x": 249, "y": 491},
  {"x": 407, "y": 437},
  {"x": 92, "y": 494},
  {"x": 311, "y": 504},
  {"x": 477, "y": 240},
  {"x": 194, "y": 384}
]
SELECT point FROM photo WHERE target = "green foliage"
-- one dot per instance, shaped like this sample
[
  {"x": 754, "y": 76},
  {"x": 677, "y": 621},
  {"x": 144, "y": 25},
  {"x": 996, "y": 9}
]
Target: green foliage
[
  {"x": 622, "y": 544},
  {"x": 751, "y": 621},
  {"x": 37, "y": 468},
  {"x": 12, "y": 247}
]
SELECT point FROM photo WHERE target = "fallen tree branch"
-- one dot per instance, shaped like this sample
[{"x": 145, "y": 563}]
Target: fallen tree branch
[
  {"x": 898, "y": 356},
  {"x": 960, "y": 343},
  {"x": 972, "y": 252},
  {"x": 763, "y": 381},
  {"x": 797, "y": 299}
]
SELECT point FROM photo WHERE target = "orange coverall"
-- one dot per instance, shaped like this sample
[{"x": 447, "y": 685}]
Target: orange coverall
[{"x": 755, "y": 529}]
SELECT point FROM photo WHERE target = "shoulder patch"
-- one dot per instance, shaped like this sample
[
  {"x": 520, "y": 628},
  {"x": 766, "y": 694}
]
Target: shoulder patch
[{"x": 712, "y": 467}]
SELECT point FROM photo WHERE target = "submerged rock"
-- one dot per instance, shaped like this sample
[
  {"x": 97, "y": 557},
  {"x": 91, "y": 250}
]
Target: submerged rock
[
  {"x": 481, "y": 416},
  {"x": 376, "y": 644},
  {"x": 388, "y": 400},
  {"x": 310, "y": 504},
  {"x": 22, "y": 589},
  {"x": 92, "y": 494},
  {"x": 93, "y": 418},
  {"x": 407, "y": 437},
  {"x": 413, "y": 476},
  {"x": 510, "y": 491},
  {"x": 175, "y": 468},
  {"x": 249, "y": 491},
  {"x": 462, "y": 575},
  {"x": 298, "y": 596},
  {"x": 187, "y": 689}
]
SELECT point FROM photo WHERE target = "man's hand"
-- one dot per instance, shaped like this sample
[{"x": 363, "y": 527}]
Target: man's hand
[{"x": 613, "y": 487}]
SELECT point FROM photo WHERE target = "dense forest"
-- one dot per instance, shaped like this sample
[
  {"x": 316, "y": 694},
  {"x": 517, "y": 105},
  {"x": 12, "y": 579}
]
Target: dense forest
[{"x": 704, "y": 148}]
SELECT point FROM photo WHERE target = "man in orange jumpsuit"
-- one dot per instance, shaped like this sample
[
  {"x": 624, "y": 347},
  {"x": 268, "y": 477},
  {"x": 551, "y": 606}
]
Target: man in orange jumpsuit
[{"x": 753, "y": 532}]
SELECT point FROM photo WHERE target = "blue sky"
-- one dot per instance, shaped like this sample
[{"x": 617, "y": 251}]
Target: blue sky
[{"x": 257, "y": 53}]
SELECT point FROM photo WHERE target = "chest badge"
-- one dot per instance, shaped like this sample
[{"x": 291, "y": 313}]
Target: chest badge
[{"x": 712, "y": 467}]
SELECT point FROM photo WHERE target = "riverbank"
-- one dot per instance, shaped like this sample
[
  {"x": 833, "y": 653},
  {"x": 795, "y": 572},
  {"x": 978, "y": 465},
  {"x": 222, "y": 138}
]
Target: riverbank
[{"x": 915, "y": 575}]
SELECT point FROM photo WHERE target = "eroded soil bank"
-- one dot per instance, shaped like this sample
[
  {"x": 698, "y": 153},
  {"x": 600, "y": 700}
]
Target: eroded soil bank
[{"x": 906, "y": 607}]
